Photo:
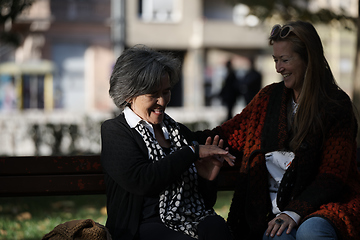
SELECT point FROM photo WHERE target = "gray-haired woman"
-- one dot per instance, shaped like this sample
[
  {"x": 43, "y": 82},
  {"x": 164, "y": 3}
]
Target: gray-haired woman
[{"x": 160, "y": 185}]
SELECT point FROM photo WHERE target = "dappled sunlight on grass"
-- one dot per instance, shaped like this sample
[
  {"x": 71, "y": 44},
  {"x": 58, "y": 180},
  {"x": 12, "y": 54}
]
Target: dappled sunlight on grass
[{"x": 32, "y": 217}]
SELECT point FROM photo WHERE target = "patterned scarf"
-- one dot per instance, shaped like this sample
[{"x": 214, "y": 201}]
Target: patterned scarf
[{"x": 181, "y": 205}]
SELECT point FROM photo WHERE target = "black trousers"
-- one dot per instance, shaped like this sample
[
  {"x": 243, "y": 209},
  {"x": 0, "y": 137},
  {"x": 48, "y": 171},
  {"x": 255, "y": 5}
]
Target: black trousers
[{"x": 211, "y": 228}]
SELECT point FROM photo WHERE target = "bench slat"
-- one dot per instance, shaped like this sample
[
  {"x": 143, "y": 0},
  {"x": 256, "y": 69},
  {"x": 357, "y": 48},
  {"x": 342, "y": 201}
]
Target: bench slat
[
  {"x": 46, "y": 185},
  {"x": 52, "y": 185},
  {"x": 49, "y": 165},
  {"x": 68, "y": 175}
]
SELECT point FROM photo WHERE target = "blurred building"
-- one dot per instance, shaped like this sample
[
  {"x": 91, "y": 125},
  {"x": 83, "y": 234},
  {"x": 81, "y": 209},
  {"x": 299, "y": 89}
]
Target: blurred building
[
  {"x": 74, "y": 43},
  {"x": 66, "y": 54},
  {"x": 60, "y": 73}
]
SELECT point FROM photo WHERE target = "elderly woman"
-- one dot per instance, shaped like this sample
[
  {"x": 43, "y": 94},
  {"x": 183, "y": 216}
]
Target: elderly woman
[
  {"x": 297, "y": 142},
  {"x": 159, "y": 183}
]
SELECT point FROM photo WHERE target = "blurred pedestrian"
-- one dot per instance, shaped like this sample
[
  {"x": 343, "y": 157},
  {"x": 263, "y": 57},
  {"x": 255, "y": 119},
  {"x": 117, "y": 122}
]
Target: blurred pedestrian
[
  {"x": 250, "y": 84},
  {"x": 230, "y": 90}
]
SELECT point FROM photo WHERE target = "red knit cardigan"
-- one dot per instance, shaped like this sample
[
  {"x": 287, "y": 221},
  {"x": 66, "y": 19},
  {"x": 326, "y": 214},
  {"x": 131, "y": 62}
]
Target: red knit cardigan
[{"x": 323, "y": 179}]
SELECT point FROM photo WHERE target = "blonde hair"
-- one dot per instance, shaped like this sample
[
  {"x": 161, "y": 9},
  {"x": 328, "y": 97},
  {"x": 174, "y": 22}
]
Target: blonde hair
[{"x": 309, "y": 118}]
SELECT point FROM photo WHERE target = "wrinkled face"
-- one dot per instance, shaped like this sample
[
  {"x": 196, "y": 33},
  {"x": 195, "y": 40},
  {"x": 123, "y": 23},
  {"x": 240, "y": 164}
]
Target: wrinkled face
[
  {"x": 151, "y": 107},
  {"x": 290, "y": 65}
]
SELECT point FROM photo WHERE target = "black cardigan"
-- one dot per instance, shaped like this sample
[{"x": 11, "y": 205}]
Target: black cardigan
[{"x": 130, "y": 176}]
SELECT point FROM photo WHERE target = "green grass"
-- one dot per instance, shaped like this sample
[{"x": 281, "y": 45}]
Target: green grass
[
  {"x": 223, "y": 203},
  {"x": 32, "y": 217}
]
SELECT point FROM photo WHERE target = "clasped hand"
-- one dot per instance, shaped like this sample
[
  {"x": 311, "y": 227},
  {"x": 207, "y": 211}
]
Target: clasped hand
[{"x": 212, "y": 156}]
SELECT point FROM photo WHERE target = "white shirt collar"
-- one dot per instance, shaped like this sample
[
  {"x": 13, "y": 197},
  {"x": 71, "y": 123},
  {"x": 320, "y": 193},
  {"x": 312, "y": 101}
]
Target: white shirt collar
[{"x": 132, "y": 119}]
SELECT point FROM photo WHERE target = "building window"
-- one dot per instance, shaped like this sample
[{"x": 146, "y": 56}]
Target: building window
[
  {"x": 160, "y": 10},
  {"x": 32, "y": 91},
  {"x": 69, "y": 80},
  {"x": 26, "y": 86}
]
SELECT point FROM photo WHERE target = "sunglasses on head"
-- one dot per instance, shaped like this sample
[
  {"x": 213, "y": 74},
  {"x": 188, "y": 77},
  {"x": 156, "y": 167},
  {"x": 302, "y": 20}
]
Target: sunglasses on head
[{"x": 283, "y": 31}]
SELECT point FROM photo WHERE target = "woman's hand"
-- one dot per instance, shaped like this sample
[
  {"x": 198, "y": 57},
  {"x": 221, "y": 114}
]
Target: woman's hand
[
  {"x": 212, "y": 157},
  {"x": 279, "y": 224}
]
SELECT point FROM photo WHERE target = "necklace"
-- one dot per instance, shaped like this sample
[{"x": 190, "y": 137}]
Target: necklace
[{"x": 294, "y": 106}]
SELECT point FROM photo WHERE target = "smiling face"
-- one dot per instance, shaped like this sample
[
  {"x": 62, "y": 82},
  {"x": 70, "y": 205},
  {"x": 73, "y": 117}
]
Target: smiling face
[
  {"x": 151, "y": 107},
  {"x": 290, "y": 65}
]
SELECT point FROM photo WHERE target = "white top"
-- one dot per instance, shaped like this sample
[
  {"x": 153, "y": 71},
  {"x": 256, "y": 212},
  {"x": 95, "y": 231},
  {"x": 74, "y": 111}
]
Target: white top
[{"x": 277, "y": 162}]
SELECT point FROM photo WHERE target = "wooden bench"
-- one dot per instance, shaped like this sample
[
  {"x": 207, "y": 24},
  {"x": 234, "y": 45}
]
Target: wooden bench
[{"x": 67, "y": 175}]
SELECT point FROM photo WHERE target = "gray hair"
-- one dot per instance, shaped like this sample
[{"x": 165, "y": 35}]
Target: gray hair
[{"x": 138, "y": 71}]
